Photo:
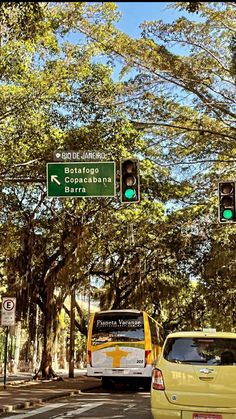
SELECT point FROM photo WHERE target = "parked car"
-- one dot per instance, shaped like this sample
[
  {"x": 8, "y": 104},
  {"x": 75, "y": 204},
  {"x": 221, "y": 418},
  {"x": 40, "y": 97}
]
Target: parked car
[{"x": 195, "y": 377}]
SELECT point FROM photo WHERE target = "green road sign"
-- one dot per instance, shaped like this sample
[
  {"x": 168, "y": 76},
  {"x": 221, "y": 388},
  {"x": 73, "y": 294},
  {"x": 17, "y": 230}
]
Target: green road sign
[{"x": 81, "y": 179}]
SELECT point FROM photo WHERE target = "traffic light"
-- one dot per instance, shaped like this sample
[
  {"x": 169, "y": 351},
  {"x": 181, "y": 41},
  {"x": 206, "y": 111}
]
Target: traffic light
[
  {"x": 227, "y": 204},
  {"x": 129, "y": 180}
]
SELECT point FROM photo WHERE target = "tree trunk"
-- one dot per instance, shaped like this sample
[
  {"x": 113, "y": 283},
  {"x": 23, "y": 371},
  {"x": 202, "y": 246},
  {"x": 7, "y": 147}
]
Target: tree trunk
[
  {"x": 51, "y": 311},
  {"x": 17, "y": 350}
]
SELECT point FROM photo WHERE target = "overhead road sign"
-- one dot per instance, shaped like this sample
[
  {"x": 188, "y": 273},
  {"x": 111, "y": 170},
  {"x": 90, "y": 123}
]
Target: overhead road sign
[{"x": 81, "y": 179}]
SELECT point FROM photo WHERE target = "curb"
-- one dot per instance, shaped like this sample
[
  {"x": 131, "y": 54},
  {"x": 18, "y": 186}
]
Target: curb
[{"x": 34, "y": 402}]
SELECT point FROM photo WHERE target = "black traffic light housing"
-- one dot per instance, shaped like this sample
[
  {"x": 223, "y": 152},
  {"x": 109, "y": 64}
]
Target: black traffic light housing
[
  {"x": 129, "y": 181},
  {"x": 227, "y": 203}
]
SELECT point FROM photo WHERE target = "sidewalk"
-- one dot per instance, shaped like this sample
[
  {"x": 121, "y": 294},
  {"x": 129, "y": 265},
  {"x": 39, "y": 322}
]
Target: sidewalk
[{"x": 25, "y": 394}]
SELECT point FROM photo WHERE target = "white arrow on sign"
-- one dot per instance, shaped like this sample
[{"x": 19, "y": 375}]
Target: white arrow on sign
[{"x": 54, "y": 179}]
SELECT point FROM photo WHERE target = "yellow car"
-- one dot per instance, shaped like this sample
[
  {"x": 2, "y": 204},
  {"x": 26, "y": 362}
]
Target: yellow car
[{"x": 195, "y": 377}]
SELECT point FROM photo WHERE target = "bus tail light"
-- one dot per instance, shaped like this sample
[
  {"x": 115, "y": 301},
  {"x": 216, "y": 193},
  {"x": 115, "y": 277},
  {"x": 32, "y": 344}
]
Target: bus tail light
[
  {"x": 157, "y": 380},
  {"x": 148, "y": 357}
]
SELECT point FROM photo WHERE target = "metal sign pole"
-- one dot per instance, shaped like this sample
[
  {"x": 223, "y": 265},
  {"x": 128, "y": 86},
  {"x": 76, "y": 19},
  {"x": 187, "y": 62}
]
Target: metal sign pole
[
  {"x": 72, "y": 334},
  {"x": 5, "y": 357},
  {"x": 89, "y": 297}
]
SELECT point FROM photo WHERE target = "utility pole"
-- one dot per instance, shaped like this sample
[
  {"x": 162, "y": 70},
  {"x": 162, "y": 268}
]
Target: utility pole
[
  {"x": 5, "y": 358},
  {"x": 89, "y": 297},
  {"x": 72, "y": 333}
]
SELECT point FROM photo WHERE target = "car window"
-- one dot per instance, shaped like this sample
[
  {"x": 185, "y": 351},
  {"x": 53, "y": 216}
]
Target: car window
[{"x": 217, "y": 351}]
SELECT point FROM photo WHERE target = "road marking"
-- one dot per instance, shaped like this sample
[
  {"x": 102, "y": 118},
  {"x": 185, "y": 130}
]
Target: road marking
[
  {"x": 37, "y": 411},
  {"x": 79, "y": 411},
  {"x": 130, "y": 406}
]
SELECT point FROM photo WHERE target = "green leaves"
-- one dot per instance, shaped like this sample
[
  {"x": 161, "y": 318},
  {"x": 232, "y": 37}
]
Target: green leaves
[
  {"x": 174, "y": 111},
  {"x": 22, "y": 20}
]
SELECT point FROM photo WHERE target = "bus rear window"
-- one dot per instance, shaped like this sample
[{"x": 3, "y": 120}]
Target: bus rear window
[{"x": 117, "y": 327}]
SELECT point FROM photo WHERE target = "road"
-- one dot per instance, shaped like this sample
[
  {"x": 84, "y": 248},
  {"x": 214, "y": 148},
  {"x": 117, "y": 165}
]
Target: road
[{"x": 91, "y": 404}]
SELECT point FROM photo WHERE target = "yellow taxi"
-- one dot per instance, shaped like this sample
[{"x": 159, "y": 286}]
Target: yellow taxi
[{"x": 195, "y": 376}]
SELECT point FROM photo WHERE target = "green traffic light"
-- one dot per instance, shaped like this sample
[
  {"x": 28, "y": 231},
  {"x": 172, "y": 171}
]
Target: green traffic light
[
  {"x": 227, "y": 214},
  {"x": 129, "y": 193},
  {"x": 129, "y": 181}
]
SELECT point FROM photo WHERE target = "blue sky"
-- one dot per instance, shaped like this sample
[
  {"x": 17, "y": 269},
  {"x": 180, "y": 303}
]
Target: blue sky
[{"x": 135, "y": 13}]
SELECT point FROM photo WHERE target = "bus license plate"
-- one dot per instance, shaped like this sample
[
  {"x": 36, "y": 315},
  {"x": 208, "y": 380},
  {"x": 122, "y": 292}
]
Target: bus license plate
[
  {"x": 118, "y": 372},
  {"x": 206, "y": 416}
]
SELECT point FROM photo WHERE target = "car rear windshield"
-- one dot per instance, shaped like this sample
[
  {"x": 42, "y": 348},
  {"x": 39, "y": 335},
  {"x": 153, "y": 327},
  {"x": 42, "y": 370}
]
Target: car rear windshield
[{"x": 212, "y": 351}]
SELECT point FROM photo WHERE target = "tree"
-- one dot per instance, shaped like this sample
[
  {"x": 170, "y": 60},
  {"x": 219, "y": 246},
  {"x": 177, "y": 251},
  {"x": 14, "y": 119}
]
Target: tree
[
  {"x": 40, "y": 237},
  {"x": 22, "y": 20},
  {"x": 174, "y": 114},
  {"x": 184, "y": 104}
]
